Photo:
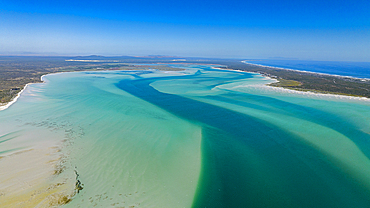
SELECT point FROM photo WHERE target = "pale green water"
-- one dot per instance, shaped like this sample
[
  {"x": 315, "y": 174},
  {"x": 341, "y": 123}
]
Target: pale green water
[{"x": 197, "y": 138}]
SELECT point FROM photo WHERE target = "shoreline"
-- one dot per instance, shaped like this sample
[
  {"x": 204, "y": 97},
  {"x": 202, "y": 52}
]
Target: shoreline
[
  {"x": 308, "y": 72},
  {"x": 58, "y": 191},
  {"x": 7, "y": 105},
  {"x": 317, "y": 94},
  {"x": 41, "y": 177},
  {"x": 318, "y": 74},
  {"x": 4, "y": 106},
  {"x": 293, "y": 91}
]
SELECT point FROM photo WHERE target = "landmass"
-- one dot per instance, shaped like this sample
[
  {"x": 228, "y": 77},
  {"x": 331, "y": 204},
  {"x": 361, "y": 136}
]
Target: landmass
[
  {"x": 46, "y": 161},
  {"x": 17, "y": 71},
  {"x": 307, "y": 81}
]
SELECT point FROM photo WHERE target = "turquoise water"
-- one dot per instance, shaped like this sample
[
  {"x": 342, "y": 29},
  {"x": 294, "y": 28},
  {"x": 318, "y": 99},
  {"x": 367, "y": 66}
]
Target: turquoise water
[{"x": 197, "y": 138}]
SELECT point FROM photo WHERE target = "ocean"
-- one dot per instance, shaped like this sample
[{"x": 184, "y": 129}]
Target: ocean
[
  {"x": 351, "y": 69},
  {"x": 201, "y": 137}
]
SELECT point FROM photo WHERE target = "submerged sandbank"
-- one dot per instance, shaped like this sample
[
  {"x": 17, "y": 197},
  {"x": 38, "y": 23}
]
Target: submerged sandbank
[
  {"x": 30, "y": 178},
  {"x": 4, "y": 106},
  {"x": 132, "y": 165},
  {"x": 32, "y": 164},
  {"x": 153, "y": 154}
]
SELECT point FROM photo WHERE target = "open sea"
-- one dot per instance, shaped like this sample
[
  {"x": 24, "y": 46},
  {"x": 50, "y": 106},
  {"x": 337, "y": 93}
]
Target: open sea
[
  {"x": 201, "y": 137},
  {"x": 352, "y": 69}
]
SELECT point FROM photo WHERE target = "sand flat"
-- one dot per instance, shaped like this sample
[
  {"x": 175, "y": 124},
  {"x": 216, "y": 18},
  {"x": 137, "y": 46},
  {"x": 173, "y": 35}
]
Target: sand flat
[{"x": 28, "y": 179}]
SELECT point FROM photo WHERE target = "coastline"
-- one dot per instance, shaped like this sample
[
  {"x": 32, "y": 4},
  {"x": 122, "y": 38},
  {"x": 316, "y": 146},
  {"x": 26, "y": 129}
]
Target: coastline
[
  {"x": 4, "y": 106},
  {"x": 308, "y": 72},
  {"x": 39, "y": 178},
  {"x": 297, "y": 92},
  {"x": 316, "y": 94},
  {"x": 43, "y": 189},
  {"x": 7, "y": 105},
  {"x": 347, "y": 81}
]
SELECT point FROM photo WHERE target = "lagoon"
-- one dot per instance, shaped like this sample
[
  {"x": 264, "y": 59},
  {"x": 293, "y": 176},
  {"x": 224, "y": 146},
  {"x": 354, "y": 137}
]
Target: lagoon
[{"x": 201, "y": 137}]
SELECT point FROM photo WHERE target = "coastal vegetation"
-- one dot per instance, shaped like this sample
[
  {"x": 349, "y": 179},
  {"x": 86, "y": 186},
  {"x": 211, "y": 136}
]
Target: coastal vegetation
[
  {"x": 16, "y": 72},
  {"x": 136, "y": 138},
  {"x": 307, "y": 81}
]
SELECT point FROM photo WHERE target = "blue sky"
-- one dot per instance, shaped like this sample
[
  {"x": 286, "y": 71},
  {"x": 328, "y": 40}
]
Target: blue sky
[{"x": 317, "y": 30}]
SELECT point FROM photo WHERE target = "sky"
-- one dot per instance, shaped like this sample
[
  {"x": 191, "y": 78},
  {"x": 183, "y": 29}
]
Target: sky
[{"x": 261, "y": 29}]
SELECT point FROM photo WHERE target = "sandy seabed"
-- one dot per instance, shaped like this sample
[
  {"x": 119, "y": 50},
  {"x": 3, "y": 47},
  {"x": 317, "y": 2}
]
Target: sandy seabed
[
  {"x": 33, "y": 177},
  {"x": 30, "y": 178}
]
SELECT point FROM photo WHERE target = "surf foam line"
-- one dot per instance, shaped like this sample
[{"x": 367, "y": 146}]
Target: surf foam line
[
  {"x": 311, "y": 93},
  {"x": 309, "y": 72}
]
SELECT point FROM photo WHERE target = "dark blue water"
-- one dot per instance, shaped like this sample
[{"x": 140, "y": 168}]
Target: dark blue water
[
  {"x": 353, "y": 69},
  {"x": 247, "y": 162}
]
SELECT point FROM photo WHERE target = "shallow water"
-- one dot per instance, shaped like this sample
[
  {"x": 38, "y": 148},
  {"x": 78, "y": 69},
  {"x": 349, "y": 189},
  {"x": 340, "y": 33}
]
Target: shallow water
[{"x": 196, "y": 138}]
